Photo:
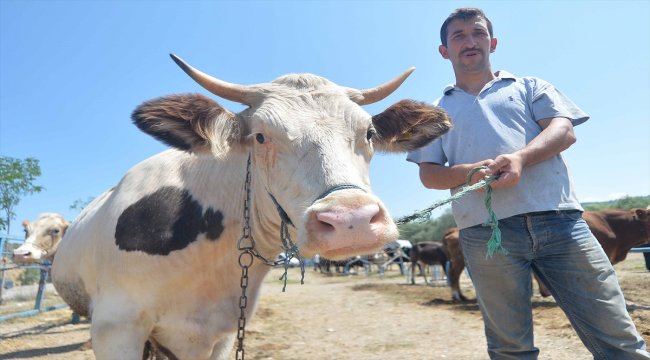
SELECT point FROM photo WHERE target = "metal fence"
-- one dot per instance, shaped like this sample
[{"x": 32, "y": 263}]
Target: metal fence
[{"x": 7, "y": 243}]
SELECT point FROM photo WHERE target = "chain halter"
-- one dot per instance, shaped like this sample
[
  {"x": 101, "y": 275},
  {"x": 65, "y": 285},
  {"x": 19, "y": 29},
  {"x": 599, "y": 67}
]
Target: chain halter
[{"x": 248, "y": 253}]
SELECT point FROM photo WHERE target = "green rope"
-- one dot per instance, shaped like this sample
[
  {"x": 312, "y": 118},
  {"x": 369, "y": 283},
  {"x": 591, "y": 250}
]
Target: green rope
[{"x": 494, "y": 244}]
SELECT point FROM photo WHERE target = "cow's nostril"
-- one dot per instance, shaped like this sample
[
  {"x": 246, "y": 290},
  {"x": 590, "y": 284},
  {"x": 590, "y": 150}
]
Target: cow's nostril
[
  {"x": 324, "y": 226},
  {"x": 377, "y": 218}
]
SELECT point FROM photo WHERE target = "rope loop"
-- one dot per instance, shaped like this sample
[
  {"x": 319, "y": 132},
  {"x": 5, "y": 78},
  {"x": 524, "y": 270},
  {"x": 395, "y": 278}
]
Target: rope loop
[{"x": 494, "y": 244}]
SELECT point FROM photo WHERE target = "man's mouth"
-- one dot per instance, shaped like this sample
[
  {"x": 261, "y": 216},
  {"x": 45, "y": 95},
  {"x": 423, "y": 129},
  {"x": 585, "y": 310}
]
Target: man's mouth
[{"x": 471, "y": 52}]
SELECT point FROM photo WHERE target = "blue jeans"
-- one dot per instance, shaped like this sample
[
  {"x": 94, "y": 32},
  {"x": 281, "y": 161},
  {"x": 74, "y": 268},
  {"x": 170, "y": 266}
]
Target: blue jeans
[{"x": 560, "y": 249}]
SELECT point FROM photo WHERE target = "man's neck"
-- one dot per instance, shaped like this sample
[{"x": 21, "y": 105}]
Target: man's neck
[{"x": 474, "y": 83}]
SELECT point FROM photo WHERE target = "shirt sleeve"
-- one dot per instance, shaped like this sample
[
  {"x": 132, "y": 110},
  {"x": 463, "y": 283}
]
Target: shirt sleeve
[
  {"x": 431, "y": 153},
  {"x": 548, "y": 102}
]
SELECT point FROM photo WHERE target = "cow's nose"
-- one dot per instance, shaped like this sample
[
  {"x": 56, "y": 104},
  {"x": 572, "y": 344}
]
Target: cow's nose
[
  {"x": 347, "y": 221},
  {"x": 21, "y": 255},
  {"x": 341, "y": 231}
]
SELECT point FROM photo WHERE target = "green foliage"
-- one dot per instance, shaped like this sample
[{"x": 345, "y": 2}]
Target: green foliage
[
  {"x": 29, "y": 276},
  {"x": 81, "y": 204},
  {"x": 16, "y": 180},
  {"x": 628, "y": 202},
  {"x": 431, "y": 230}
]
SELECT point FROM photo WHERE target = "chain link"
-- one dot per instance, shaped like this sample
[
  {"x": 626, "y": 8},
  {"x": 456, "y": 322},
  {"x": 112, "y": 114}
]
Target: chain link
[{"x": 246, "y": 245}]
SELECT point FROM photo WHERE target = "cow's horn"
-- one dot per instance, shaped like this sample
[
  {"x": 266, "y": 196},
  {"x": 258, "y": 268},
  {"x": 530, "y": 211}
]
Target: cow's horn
[
  {"x": 369, "y": 96},
  {"x": 233, "y": 92}
]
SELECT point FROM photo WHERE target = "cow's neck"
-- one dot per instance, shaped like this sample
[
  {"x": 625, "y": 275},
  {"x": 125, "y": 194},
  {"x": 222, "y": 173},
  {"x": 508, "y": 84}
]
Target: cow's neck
[
  {"x": 629, "y": 229},
  {"x": 266, "y": 221}
]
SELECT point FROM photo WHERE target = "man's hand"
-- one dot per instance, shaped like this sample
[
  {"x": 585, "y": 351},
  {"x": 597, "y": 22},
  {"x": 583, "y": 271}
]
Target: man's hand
[{"x": 508, "y": 168}]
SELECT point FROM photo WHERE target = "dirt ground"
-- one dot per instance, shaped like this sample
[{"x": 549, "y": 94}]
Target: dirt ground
[{"x": 352, "y": 317}]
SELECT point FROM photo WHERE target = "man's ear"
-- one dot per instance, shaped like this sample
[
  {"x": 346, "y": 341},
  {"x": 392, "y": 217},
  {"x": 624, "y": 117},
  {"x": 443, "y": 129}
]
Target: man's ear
[
  {"x": 190, "y": 122},
  {"x": 493, "y": 44},
  {"x": 443, "y": 51},
  {"x": 409, "y": 125}
]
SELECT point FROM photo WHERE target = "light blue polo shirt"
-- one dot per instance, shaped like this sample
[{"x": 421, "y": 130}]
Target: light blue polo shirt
[{"x": 500, "y": 120}]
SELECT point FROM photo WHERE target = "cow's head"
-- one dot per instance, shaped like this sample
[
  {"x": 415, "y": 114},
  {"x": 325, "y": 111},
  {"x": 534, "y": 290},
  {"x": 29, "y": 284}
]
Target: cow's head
[
  {"x": 42, "y": 237},
  {"x": 307, "y": 137},
  {"x": 643, "y": 215}
]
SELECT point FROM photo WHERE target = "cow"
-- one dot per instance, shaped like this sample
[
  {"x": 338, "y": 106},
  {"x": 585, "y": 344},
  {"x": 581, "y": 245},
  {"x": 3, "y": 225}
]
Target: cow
[
  {"x": 452, "y": 247},
  {"x": 617, "y": 231},
  {"x": 42, "y": 237},
  {"x": 157, "y": 260},
  {"x": 427, "y": 253}
]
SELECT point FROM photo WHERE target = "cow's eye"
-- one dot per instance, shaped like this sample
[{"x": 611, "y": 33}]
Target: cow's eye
[
  {"x": 371, "y": 132},
  {"x": 54, "y": 231},
  {"x": 259, "y": 138}
]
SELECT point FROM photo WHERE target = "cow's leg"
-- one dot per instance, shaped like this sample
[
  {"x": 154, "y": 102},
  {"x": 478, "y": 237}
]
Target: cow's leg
[
  {"x": 423, "y": 271},
  {"x": 118, "y": 330},
  {"x": 413, "y": 263},
  {"x": 455, "y": 271}
]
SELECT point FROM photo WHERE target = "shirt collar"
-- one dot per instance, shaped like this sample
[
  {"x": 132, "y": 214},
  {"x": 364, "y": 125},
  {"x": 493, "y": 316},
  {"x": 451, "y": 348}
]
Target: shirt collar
[{"x": 501, "y": 75}]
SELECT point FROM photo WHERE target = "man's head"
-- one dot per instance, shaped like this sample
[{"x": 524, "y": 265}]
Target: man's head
[
  {"x": 467, "y": 41},
  {"x": 463, "y": 14}
]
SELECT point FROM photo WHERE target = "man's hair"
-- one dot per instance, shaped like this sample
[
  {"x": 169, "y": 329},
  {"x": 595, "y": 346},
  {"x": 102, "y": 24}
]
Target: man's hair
[{"x": 463, "y": 14}]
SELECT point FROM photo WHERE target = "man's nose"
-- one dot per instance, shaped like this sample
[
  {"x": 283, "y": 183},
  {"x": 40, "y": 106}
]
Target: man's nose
[{"x": 470, "y": 41}]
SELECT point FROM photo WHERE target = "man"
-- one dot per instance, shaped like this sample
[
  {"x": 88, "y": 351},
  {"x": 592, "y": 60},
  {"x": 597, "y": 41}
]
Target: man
[{"x": 518, "y": 127}]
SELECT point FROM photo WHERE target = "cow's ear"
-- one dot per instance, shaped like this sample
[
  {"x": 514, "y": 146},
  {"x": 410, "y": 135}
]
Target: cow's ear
[
  {"x": 190, "y": 122},
  {"x": 642, "y": 214},
  {"x": 66, "y": 224},
  {"x": 409, "y": 125},
  {"x": 25, "y": 223}
]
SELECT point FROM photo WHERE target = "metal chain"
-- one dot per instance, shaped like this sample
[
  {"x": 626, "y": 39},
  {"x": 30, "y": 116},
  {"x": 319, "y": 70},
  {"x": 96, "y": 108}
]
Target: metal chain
[{"x": 246, "y": 245}]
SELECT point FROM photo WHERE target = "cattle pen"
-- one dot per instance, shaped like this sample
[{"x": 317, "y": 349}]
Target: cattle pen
[{"x": 7, "y": 243}]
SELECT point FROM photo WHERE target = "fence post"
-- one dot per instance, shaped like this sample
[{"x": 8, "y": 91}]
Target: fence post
[
  {"x": 3, "y": 264},
  {"x": 41, "y": 289}
]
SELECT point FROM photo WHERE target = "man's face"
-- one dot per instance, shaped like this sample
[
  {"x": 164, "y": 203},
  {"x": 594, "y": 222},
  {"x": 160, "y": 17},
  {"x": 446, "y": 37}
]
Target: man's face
[{"x": 468, "y": 45}]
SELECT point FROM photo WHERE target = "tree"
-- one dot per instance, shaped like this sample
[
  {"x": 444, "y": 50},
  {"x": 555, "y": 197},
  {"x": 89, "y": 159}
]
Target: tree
[
  {"x": 16, "y": 180},
  {"x": 81, "y": 204}
]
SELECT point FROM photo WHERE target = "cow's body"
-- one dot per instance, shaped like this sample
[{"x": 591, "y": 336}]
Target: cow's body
[
  {"x": 427, "y": 253},
  {"x": 42, "y": 237},
  {"x": 619, "y": 230},
  {"x": 157, "y": 259},
  {"x": 452, "y": 247},
  {"x": 616, "y": 230}
]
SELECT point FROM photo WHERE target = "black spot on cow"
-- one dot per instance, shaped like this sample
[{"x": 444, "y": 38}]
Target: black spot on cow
[{"x": 167, "y": 220}]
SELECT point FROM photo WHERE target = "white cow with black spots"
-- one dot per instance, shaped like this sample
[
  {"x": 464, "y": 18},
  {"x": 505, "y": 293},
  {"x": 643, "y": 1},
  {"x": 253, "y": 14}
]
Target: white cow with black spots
[{"x": 155, "y": 259}]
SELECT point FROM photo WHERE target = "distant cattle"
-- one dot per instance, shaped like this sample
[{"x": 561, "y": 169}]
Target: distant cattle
[
  {"x": 42, "y": 237},
  {"x": 427, "y": 253},
  {"x": 156, "y": 260},
  {"x": 455, "y": 253},
  {"x": 616, "y": 230}
]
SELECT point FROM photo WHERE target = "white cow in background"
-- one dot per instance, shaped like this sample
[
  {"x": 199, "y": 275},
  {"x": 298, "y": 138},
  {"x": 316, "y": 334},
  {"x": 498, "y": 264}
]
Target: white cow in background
[
  {"x": 42, "y": 237},
  {"x": 155, "y": 259}
]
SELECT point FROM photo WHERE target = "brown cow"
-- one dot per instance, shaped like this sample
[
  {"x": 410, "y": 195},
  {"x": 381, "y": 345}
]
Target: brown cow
[
  {"x": 452, "y": 247},
  {"x": 616, "y": 230},
  {"x": 427, "y": 253},
  {"x": 619, "y": 230}
]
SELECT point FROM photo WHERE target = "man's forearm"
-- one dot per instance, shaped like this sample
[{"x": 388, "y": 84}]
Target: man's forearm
[{"x": 439, "y": 177}]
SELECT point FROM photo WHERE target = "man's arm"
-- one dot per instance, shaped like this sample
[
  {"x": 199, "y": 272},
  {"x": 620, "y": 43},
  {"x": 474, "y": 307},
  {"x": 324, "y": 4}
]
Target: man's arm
[
  {"x": 440, "y": 177},
  {"x": 557, "y": 135}
]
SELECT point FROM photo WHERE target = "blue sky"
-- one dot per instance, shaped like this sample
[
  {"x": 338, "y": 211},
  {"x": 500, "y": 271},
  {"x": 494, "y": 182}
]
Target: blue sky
[{"x": 71, "y": 72}]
